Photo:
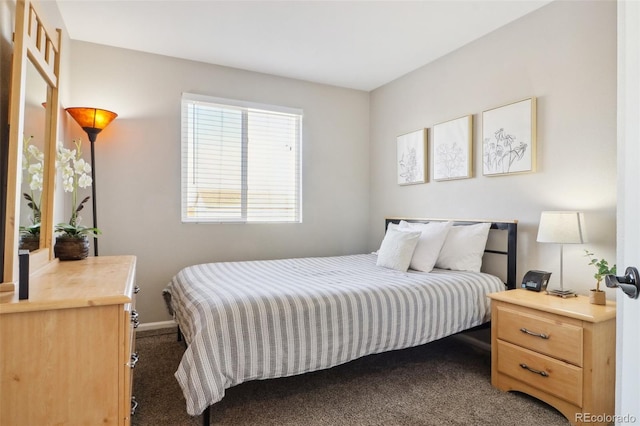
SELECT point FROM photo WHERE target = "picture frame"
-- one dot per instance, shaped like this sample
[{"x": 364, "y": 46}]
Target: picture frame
[
  {"x": 411, "y": 157},
  {"x": 452, "y": 147},
  {"x": 509, "y": 138}
]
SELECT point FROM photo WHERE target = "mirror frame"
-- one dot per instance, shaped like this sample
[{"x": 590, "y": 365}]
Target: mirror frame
[{"x": 35, "y": 42}]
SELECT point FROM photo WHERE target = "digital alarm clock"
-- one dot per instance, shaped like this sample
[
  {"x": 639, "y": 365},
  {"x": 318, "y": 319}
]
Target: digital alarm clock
[{"x": 536, "y": 280}]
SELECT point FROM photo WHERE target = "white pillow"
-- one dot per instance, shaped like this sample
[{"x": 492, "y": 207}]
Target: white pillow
[
  {"x": 397, "y": 249},
  {"x": 463, "y": 248},
  {"x": 433, "y": 235}
]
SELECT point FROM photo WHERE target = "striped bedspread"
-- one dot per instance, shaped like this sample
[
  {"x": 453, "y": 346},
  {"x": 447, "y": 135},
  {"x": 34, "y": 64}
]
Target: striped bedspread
[{"x": 263, "y": 319}]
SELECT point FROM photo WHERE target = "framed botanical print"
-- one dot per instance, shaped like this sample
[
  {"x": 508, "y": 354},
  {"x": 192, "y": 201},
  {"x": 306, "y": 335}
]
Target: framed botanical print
[
  {"x": 411, "y": 157},
  {"x": 452, "y": 146},
  {"x": 509, "y": 138}
]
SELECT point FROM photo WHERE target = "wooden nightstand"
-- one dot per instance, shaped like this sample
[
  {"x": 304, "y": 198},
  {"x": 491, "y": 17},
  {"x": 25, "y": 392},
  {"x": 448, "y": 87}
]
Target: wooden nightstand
[{"x": 561, "y": 351}]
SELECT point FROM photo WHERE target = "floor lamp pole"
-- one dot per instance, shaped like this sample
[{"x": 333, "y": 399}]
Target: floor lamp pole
[{"x": 93, "y": 195}]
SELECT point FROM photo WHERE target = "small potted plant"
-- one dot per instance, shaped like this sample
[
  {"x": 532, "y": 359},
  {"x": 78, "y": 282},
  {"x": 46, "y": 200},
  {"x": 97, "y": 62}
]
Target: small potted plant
[
  {"x": 597, "y": 296},
  {"x": 30, "y": 234},
  {"x": 30, "y": 237},
  {"x": 72, "y": 243}
]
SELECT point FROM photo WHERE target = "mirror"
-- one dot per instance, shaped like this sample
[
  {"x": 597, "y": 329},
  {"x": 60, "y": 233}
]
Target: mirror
[
  {"x": 34, "y": 80},
  {"x": 33, "y": 161}
]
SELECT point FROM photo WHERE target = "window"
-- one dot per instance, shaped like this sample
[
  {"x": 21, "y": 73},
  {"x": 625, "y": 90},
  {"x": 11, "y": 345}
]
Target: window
[{"x": 240, "y": 161}]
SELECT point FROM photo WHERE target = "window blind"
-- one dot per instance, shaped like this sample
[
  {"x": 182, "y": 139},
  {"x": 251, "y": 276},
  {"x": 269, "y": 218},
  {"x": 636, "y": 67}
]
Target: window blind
[{"x": 240, "y": 161}]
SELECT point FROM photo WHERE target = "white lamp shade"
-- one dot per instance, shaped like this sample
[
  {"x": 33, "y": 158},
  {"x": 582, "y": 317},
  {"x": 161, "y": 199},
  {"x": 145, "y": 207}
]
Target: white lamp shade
[{"x": 562, "y": 228}]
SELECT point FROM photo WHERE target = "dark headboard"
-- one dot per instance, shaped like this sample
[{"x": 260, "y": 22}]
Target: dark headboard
[{"x": 509, "y": 226}]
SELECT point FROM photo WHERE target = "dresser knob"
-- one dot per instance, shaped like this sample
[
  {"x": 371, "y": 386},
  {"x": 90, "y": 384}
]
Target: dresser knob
[
  {"x": 136, "y": 289},
  {"x": 134, "y": 319},
  {"x": 134, "y": 359},
  {"x": 134, "y": 405}
]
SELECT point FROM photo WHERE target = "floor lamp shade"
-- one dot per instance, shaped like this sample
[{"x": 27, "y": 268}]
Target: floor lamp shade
[{"x": 92, "y": 120}]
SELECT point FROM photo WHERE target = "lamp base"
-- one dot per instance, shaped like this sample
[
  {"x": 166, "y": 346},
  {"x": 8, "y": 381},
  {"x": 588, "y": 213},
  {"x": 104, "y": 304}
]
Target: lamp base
[{"x": 562, "y": 293}]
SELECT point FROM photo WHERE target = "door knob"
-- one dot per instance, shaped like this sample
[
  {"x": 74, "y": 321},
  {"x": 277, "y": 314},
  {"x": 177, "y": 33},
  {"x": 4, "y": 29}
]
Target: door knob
[{"x": 629, "y": 282}]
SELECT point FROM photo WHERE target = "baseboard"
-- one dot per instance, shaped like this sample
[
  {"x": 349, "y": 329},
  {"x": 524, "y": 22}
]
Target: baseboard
[{"x": 156, "y": 325}]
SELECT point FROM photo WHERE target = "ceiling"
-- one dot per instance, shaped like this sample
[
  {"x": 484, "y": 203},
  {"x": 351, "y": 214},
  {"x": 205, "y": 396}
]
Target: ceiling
[{"x": 354, "y": 44}]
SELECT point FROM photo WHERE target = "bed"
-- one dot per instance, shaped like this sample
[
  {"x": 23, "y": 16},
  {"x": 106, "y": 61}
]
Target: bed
[{"x": 264, "y": 319}]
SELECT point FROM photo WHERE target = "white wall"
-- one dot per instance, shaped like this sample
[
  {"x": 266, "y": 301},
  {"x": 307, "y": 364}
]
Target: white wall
[
  {"x": 565, "y": 55},
  {"x": 138, "y": 165}
]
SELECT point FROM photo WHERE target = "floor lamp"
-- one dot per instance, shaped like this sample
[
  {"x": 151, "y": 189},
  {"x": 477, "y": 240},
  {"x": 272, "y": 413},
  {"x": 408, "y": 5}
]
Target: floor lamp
[
  {"x": 92, "y": 121},
  {"x": 562, "y": 228}
]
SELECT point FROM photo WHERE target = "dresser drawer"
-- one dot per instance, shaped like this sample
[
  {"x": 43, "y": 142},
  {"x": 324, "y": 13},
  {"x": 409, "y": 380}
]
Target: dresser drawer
[
  {"x": 542, "y": 372},
  {"x": 541, "y": 332}
]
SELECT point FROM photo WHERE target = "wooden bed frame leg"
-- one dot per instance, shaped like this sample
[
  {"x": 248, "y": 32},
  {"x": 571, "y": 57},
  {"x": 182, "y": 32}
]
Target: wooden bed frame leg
[{"x": 206, "y": 416}]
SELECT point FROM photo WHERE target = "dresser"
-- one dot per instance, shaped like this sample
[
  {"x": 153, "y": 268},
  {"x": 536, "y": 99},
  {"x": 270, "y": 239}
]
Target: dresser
[
  {"x": 67, "y": 353},
  {"x": 561, "y": 351}
]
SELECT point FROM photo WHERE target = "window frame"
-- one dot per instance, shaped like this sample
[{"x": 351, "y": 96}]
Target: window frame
[{"x": 245, "y": 106}]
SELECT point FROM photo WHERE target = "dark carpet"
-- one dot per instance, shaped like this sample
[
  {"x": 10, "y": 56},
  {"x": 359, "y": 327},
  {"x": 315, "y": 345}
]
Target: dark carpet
[{"x": 447, "y": 382}]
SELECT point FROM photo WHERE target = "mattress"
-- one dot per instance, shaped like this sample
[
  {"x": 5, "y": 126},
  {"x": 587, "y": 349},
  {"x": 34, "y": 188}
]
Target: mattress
[{"x": 264, "y": 319}]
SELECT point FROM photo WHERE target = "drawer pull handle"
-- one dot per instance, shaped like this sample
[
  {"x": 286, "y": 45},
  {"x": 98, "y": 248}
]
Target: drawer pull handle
[
  {"x": 134, "y": 359},
  {"x": 136, "y": 289},
  {"x": 542, "y": 373},
  {"x": 531, "y": 333},
  {"x": 134, "y": 405},
  {"x": 134, "y": 319}
]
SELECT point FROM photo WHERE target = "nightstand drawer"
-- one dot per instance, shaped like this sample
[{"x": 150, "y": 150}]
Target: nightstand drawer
[
  {"x": 542, "y": 372},
  {"x": 542, "y": 332}
]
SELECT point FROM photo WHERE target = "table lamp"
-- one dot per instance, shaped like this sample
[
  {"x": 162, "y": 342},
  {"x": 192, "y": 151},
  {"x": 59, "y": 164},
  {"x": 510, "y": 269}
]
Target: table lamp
[{"x": 562, "y": 227}]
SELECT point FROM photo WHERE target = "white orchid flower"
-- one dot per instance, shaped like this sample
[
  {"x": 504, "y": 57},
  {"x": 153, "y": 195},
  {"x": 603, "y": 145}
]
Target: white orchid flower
[
  {"x": 64, "y": 156},
  {"x": 35, "y": 168},
  {"x": 67, "y": 172},
  {"x": 36, "y": 182},
  {"x": 35, "y": 152},
  {"x": 84, "y": 180},
  {"x": 78, "y": 165},
  {"x": 68, "y": 184}
]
